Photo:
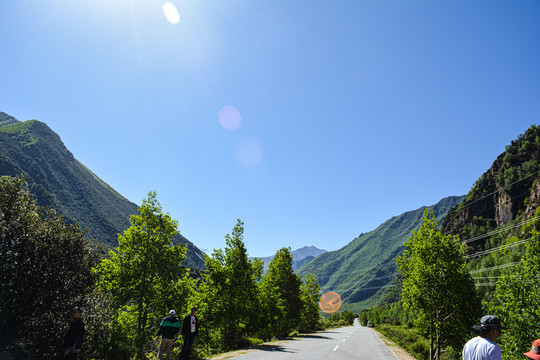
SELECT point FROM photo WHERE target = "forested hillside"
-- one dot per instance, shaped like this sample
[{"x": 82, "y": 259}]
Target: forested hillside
[
  {"x": 362, "y": 270},
  {"x": 58, "y": 180},
  {"x": 498, "y": 214},
  {"x": 495, "y": 231}
]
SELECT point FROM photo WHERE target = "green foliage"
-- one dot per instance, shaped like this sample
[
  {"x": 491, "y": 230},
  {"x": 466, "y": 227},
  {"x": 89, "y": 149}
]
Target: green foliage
[
  {"x": 229, "y": 295},
  {"x": 392, "y": 313},
  {"x": 22, "y": 132},
  {"x": 346, "y": 317},
  {"x": 519, "y": 304},
  {"x": 309, "y": 294},
  {"x": 281, "y": 300},
  {"x": 57, "y": 180},
  {"x": 250, "y": 342},
  {"x": 356, "y": 274},
  {"x": 410, "y": 339},
  {"x": 145, "y": 276},
  {"x": 437, "y": 285},
  {"x": 44, "y": 272}
]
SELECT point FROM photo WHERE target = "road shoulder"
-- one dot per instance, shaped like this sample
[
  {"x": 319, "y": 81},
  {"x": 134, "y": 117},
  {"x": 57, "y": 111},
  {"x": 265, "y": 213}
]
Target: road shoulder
[{"x": 397, "y": 350}]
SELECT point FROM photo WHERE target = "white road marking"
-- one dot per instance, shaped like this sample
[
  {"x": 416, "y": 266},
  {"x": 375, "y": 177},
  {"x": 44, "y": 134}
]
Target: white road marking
[{"x": 337, "y": 347}]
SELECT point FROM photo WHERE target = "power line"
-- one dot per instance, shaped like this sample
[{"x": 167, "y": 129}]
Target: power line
[
  {"x": 500, "y": 230},
  {"x": 494, "y": 267},
  {"x": 485, "y": 252},
  {"x": 498, "y": 190}
]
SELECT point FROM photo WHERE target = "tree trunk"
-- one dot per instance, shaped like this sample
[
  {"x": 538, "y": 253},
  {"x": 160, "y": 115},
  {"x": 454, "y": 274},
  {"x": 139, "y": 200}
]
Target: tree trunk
[{"x": 431, "y": 339}]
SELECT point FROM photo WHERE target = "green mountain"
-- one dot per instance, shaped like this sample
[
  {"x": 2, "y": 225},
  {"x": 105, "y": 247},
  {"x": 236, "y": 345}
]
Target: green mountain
[
  {"x": 58, "y": 180},
  {"x": 300, "y": 256},
  {"x": 362, "y": 270},
  {"x": 507, "y": 193},
  {"x": 498, "y": 214}
]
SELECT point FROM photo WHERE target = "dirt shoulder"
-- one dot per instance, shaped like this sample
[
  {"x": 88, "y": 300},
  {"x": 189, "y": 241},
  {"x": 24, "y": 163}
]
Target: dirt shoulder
[{"x": 398, "y": 351}]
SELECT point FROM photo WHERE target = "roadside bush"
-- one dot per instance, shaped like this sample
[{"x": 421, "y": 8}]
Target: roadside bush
[{"x": 409, "y": 339}]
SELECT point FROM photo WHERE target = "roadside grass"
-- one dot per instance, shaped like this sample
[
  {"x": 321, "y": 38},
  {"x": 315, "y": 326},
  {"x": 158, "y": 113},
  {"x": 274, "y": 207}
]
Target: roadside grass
[{"x": 409, "y": 339}]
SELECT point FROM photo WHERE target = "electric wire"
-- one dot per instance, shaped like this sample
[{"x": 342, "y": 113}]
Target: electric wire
[
  {"x": 494, "y": 267},
  {"x": 500, "y": 230},
  {"x": 502, "y": 247},
  {"x": 496, "y": 191}
]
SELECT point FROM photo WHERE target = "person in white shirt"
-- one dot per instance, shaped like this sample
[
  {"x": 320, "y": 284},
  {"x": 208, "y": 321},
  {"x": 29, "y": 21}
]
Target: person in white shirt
[
  {"x": 483, "y": 347},
  {"x": 190, "y": 331}
]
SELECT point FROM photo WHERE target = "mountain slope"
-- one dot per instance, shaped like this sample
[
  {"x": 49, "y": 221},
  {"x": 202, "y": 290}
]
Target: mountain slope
[
  {"x": 497, "y": 216},
  {"x": 56, "y": 179},
  {"x": 507, "y": 192},
  {"x": 300, "y": 256},
  {"x": 361, "y": 270}
]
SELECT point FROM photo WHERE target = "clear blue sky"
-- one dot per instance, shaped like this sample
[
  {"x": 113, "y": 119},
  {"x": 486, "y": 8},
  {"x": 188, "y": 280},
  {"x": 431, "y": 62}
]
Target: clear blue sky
[{"x": 312, "y": 121}]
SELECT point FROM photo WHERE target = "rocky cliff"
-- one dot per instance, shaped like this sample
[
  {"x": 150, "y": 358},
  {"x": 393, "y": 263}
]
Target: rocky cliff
[{"x": 509, "y": 192}]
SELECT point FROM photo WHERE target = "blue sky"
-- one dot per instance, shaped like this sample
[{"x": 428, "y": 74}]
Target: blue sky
[{"x": 312, "y": 121}]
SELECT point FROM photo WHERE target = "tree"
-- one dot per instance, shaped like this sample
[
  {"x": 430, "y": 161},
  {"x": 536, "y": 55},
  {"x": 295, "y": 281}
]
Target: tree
[
  {"x": 520, "y": 301},
  {"x": 231, "y": 293},
  {"x": 437, "y": 284},
  {"x": 145, "y": 276},
  {"x": 310, "y": 295},
  {"x": 45, "y": 270},
  {"x": 281, "y": 290}
]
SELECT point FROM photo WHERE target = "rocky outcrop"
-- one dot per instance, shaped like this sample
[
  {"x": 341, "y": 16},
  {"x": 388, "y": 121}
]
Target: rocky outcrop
[{"x": 507, "y": 192}]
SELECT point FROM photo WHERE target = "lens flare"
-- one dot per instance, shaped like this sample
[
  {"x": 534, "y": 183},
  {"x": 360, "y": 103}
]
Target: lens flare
[
  {"x": 229, "y": 118},
  {"x": 249, "y": 152},
  {"x": 330, "y": 302},
  {"x": 171, "y": 13}
]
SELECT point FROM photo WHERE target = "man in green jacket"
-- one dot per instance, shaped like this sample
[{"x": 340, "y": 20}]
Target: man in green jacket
[{"x": 169, "y": 326}]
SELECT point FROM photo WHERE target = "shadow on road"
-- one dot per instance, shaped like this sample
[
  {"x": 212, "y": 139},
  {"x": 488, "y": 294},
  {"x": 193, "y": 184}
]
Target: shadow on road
[
  {"x": 311, "y": 336},
  {"x": 272, "y": 348}
]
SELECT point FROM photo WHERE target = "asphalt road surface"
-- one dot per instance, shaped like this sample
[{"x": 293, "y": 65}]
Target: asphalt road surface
[{"x": 351, "y": 342}]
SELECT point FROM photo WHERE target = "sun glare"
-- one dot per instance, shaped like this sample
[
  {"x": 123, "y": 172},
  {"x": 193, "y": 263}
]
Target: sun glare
[
  {"x": 249, "y": 152},
  {"x": 229, "y": 118},
  {"x": 171, "y": 13}
]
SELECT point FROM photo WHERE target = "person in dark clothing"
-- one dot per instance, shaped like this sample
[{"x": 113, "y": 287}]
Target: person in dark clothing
[
  {"x": 169, "y": 327},
  {"x": 190, "y": 331},
  {"x": 74, "y": 337}
]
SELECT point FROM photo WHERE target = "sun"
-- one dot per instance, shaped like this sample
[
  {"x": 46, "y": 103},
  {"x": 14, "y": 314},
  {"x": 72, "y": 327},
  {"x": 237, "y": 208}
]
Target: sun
[{"x": 171, "y": 13}]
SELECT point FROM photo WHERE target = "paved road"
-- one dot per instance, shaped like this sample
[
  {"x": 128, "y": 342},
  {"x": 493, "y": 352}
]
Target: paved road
[{"x": 351, "y": 342}]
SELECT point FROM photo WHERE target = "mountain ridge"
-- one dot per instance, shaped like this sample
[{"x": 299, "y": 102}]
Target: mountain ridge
[
  {"x": 300, "y": 256},
  {"x": 58, "y": 180},
  {"x": 355, "y": 273}
]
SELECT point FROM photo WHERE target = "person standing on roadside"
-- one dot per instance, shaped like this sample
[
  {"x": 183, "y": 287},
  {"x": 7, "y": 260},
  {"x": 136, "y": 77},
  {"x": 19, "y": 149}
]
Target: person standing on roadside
[
  {"x": 190, "y": 331},
  {"x": 74, "y": 337},
  {"x": 483, "y": 346},
  {"x": 169, "y": 327}
]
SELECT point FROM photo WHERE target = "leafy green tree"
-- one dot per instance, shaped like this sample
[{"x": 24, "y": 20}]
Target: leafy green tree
[
  {"x": 231, "y": 293},
  {"x": 520, "y": 302},
  {"x": 437, "y": 284},
  {"x": 272, "y": 308},
  {"x": 282, "y": 286},
  {"x": 310, "y": 293},
  {"x": 45, "y": 270},
  {"x": 145, "y": 276}
]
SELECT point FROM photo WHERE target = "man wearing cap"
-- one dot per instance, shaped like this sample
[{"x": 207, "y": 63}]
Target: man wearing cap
[
  {"x": 74, "y": 337},
  {"x": 190, "y": 330},
  {"x": 483, "y": 347},
  {"x": 169, "y": 327},
  {"x": 534, "y": 353}
]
